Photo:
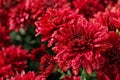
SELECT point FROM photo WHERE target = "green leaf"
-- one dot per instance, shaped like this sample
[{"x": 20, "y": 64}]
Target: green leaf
[
  {"x": 26, "y": 38},
  {"x": 84, "y": 75},
  {"x": 69, "y": 72}
]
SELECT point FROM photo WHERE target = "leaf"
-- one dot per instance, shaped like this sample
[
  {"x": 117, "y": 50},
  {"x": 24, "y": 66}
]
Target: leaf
[{"x": 84, "y": 75}]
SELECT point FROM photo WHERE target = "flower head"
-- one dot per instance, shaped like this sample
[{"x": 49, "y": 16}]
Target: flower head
[
  {"x": 51, "y": 21},
  {"x": 47, "y": 66},
  {"x": 110, "y": 18},
  {"x": 111, "y": 65},
  {"x": 90, "y": 7},
  {"x": 23, "y": 76},
  {"x": 87, "y": 7},
  {"x": 13, "y": 59},
  {"x": 78, "y": 43},
  {"x": 37, "y": 8}
]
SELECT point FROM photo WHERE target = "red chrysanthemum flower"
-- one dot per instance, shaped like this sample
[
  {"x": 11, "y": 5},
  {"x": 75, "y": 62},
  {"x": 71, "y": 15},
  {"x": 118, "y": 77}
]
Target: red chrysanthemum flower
[
  {"x": 50, "y": 22},
  {"x": 111, "y": 65},
  {"x": 110, "y": 18},
  {"x": 18, "y": 17},
  {"x": 108, "y": 72},
  {"x": 28, "y": 11},
  {"x": 87, "y": 7},
  {"x": 12, "y": 60},
  {"x": 69, "y": 77},
  {"x": 23, "y": 76},
  {"x": 11, "y": 14},
  {"x": 34, "y": 8},
  {"x": 90, "y": 7},
  {"x": 27, "y": 76},
  {"x": 37, "y": 8},
  {"x": 78, "y": 43},
  {"x": 47, "y": 65}
]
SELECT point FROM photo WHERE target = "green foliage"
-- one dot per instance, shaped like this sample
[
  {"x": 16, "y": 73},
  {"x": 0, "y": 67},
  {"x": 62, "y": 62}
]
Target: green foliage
[
  {"x": 86, "y": 76},
  {"x": 26, "y": 38}
]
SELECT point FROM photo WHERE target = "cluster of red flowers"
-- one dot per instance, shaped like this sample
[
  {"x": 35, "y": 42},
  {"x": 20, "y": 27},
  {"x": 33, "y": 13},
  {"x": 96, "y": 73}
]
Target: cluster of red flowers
[{"x": 82, "y": 34}]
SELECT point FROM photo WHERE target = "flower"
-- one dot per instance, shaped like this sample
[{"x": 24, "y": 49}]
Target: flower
[
  {"x": 110, "y": 18},
  {"x": 111, "y": 65},
  {"x": 12, "y": 60},
  {"x": 18, "y": 16},
  {"x": 78, "y": 43},
  {"x": 23, "y": 76},
  {"x": 12, "y": 14},
  {"x": 87, "y": 7},
  {"x": 37, "y": 8},
  {"x": 47, "y": 65},
  {"x": 51, "y": 21},
  {"x": 90, "y": 7}
]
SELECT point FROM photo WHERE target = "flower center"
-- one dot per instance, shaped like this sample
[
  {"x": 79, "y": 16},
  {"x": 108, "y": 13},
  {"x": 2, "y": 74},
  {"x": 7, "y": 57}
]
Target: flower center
[{"x": 81, "y": 43}]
